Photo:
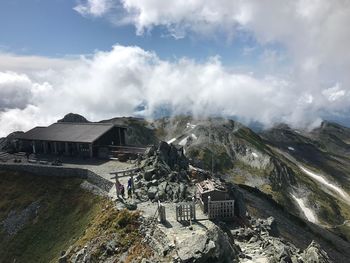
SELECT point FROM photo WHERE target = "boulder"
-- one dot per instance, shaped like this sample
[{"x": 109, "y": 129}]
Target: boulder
[
  {"x": 162, "y": 190},
  {"x": 63, "y": 258},
  {"x": 150, "y": 151},
  {"x": 242, "y": 234},
  {"x": 284, "y": 255},
  {"x": 172, "y": 156},
  {"x": 130, "y": 205},
  {"x": 148, "y": 174},
  {"x": 152, "y": 192},
  {"x": 79, "y": 256},
  {"x": 182, "y": 191},
  {"x": 271, "y": 226},
  {"x": 141, "y": 194},
  {"x": 211, "y": 246},
  {"x": 314, "y": 254},
  {"x": 111, "y": 247}
]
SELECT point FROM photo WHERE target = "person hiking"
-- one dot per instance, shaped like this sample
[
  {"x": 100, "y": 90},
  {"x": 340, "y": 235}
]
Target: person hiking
[
  {"x": 129, "y": 192},
  {"x": 122, "y": 190},
  {"x": 139, "y": 159},
  {"x": 27, "y": 155},
  {"x": 130, "y": 186}
]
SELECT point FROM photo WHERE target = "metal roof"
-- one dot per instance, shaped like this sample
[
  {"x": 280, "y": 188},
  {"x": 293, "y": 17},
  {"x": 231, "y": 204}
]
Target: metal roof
[{"x": 68, "y": 132}]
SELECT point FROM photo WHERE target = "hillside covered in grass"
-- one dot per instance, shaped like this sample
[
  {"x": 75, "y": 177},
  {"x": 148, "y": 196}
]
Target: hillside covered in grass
[{"x": 42, "y": 216}]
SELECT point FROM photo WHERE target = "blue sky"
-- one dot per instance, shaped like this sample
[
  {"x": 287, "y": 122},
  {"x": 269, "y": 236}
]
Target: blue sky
[
  {"x": 52, "y": 28},
  {"x": 262, "y": 61}
]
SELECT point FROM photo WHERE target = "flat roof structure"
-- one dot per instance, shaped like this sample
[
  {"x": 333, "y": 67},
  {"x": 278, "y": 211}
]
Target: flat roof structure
[
  {"x": 209, "y": 186},
  {"x": 68, "y": 132}
]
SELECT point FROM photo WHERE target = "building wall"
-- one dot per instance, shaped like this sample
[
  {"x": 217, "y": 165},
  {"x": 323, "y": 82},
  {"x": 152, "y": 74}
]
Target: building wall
[
  {"x": 47, "y": 170},
  {"x": 115, "y": 136},
  {"x": 61, "y": 148}
]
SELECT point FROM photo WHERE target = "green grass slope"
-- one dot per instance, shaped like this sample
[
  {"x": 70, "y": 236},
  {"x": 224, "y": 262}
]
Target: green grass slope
[{"x": 64, "y": 212}]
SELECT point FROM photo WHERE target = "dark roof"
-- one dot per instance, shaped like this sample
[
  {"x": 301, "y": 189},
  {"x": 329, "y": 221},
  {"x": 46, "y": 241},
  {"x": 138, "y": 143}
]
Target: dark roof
[{"x": 68, "y": 132}]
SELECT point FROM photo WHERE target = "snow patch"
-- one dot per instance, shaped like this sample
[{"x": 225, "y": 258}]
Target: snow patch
[
  {"x": 171, "y": 141},
  {"x": 309, "y": 214},
  {"x": 189, "y": 125},
  {"x": 183, "y": 141},
  {"x": 326, "y": 183},
  {"x": 194, "y": 136},
  {"x": 291, "y": 148},
  {"x": 255, "y": 155}
]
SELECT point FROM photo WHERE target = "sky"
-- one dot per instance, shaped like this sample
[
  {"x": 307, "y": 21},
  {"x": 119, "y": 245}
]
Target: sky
[{"x": 256, "y": 61}]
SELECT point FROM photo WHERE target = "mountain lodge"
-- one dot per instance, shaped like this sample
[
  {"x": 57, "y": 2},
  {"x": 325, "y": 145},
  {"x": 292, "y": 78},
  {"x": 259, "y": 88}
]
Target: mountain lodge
[{"x": 73, "y": 139}]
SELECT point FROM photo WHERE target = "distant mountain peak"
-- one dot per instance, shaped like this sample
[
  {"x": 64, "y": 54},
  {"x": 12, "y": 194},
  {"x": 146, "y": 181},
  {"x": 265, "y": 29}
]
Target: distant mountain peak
[{"x": 73, "y": 117}]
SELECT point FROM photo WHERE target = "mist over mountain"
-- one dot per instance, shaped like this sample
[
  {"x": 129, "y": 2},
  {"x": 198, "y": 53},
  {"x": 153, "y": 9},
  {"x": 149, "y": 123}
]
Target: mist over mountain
[{"x": 120, "y": 118}]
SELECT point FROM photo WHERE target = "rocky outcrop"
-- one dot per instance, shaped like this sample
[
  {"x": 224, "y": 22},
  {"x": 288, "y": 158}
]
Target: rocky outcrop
[
  {"x": 261, "y": 242},
  {"x": 281, "y": 176},
  {"x": 164, "y": 175},
  {"x": 314, "y": 254},
  {"x": 167, "y": 155},
  {"x": 8, "y": 144},
  {"x": 16, "y": 220},
  {"x": 211, "y": 246}
]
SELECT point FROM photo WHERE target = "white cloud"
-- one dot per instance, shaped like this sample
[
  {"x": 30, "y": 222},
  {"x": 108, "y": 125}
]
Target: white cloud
[
  {"x": 116, "y": 83},
  {"x": 334, "y": 93},
  {"x": 28, "y": 64},
  {"x": 17, "y": 90},
  {"x": 313, "y": 34},
  {"x": 94, "y": 7},
  {"x": 305, "y": 27}
]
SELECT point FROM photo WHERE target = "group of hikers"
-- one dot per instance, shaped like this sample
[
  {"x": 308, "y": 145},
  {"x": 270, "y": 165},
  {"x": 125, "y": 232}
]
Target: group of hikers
[{"x": 130, "y": 188}]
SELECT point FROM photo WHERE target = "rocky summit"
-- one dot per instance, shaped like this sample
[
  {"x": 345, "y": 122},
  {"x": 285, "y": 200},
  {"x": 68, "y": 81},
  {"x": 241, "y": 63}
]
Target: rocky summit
[{"x": 164, "y": 175}]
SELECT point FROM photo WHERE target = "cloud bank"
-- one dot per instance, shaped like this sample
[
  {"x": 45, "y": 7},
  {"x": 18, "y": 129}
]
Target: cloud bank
[
  {"x": 313, "y": 37},
  {"x": 314, "y": 33},
  {"x": 132, "y": 81}
]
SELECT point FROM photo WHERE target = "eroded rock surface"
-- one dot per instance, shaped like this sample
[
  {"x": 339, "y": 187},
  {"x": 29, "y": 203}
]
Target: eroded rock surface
[
  {"x": 164, "y": 175},
  {"x": 16, "y": 220}
]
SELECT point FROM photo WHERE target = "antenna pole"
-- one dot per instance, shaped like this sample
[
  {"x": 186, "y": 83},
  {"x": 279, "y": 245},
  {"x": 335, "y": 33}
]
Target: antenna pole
[{"x": 212, "y": 157}]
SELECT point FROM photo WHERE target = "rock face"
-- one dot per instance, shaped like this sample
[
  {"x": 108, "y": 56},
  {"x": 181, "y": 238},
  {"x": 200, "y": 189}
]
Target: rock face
[
  {"x": 314, "y": 254},
  {"x": 260, "y": 243},
  {"x": 16, "y": 220},
  {"x": 212, "y": 246},
  {"x": 8, "y": 143},
  {"x": 73, "y": 117},
  {"x": 164, "y": 175},
  {"x": 172, "y": 156},
  {"x": 240, "y": 207},
  {"x": 221, "y": 145}
]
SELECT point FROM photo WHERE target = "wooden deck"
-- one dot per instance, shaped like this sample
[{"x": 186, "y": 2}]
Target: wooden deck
[{"x": 127, "y": 150}]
